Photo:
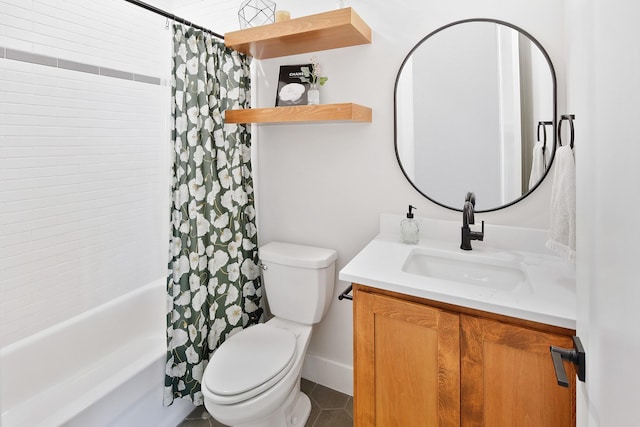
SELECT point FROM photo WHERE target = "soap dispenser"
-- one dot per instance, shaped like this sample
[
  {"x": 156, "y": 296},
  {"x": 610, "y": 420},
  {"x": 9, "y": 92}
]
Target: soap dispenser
[{"x": 409, "y": 230}]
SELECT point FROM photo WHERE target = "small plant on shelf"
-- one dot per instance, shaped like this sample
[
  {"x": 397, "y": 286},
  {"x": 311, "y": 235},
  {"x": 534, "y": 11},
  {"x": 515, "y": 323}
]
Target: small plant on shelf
[{"x": 312, "y": 75}]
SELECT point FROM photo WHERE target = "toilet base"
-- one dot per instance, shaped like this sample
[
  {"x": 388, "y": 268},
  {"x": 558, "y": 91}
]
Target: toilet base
[
  {"x": 301, "y": 411},
  {"x": 294, "y": 413}
]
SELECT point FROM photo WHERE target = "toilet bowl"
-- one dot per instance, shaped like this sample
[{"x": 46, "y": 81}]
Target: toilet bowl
[
  {"x": 273, "y": 399},
  {"x": 253, "y": 378}
]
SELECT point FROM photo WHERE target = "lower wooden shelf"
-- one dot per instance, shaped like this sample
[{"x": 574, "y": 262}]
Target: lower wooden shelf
[{"x": 346, "y": 112}]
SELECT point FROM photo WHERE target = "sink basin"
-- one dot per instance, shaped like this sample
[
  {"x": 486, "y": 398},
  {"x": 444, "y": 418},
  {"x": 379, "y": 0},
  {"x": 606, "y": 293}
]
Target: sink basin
[
  {"x": 488, "y": 273},
  {"x": 511, "y": 273}
]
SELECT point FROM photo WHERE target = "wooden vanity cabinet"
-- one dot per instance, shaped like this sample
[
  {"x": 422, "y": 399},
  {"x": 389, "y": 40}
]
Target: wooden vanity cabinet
[
  {"x": 424, "y": 363},
  {"x": 407, "y": 363}
]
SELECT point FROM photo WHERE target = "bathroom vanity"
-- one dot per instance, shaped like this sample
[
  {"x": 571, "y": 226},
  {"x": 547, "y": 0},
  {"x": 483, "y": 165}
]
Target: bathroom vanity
[
  {"x": 451, "y": 337},
  {"x": 445, "y": 337}
]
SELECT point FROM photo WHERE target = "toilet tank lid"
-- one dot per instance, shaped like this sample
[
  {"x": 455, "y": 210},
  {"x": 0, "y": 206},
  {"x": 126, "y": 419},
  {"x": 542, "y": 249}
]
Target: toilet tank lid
[{"x": 297, "y": 255}]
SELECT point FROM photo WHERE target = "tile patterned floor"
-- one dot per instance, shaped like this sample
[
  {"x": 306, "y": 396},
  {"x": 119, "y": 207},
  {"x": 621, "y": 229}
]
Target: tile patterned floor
[{"x": 329, "y": 408}]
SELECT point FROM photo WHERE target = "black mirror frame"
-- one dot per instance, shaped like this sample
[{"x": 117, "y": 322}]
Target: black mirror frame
[{"x": 555, "y": 108}]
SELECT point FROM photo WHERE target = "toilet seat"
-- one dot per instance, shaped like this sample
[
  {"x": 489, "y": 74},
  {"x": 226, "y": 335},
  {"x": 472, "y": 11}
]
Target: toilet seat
[{"x": 249, "y": 363}]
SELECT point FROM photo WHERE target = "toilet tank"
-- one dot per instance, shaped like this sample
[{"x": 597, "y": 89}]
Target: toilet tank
[{"x": 298, "y": 280}]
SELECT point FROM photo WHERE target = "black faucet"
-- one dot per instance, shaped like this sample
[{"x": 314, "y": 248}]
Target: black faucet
[{"x": 468, "y": 218}]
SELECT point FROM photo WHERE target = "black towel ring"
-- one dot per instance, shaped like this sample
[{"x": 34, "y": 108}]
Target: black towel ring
[
  {"x": 571, "y": 118},
  {"x": 543, "y": 125}
]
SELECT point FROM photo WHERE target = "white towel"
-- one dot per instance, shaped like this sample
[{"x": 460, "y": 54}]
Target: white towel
[
  {"x": 562, "y": 229},
  {"x": 537, "y": 165}
]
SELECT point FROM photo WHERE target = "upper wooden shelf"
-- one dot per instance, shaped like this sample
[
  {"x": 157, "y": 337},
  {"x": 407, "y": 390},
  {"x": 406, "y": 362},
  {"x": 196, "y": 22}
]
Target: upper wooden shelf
[
  {"x": 346, "y": 112},
  {"x": 323, "y": 31}
]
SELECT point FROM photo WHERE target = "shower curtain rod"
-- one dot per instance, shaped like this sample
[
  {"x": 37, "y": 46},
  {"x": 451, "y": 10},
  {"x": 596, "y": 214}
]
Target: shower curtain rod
[{"x": 173, "y": 17}]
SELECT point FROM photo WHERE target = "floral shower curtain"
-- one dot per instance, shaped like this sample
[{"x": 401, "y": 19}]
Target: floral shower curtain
[{"x": 213, "y": 283}]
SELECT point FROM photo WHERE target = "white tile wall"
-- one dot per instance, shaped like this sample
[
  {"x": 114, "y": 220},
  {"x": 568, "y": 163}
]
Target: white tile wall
[
  {"x": 83, "y": 159},
  {"x": 220, "y": 16},
  {"x": 109, "y": 33}
]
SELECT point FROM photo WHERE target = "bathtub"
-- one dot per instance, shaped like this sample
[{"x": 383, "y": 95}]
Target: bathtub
[{"x": 104, "y": 367}]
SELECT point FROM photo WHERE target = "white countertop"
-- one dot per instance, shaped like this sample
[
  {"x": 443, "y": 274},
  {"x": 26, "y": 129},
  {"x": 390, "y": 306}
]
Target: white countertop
[{"x": 550, "y": 297}]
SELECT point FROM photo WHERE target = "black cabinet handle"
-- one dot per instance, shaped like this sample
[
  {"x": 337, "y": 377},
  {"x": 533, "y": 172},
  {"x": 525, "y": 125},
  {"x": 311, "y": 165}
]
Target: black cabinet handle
[
  {"x": 575, "y": 355},
  {"x": 345, "y": 294}
]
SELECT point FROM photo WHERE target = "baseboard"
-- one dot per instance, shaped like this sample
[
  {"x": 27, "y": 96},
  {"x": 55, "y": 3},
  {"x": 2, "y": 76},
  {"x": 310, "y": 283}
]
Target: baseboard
[{"x": 329, "y": 373}]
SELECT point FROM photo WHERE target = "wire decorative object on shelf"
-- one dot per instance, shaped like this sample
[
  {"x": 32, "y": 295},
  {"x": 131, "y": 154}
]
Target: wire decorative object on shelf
[{"x": 254, "y": 13}]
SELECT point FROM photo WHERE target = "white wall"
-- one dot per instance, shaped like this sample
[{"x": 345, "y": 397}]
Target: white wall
[
  {"x": 604, "y": 92},
  {"x": 83, "y": 157},
  {"x": 326, "y": 184}
]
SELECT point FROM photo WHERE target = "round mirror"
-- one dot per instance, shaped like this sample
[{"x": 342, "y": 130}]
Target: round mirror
[{"x": 475, "y": 110}]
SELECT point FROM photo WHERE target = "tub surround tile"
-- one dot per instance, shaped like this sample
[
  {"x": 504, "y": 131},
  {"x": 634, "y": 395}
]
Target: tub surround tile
[
  {"x": 33, "y": 58},
  {"x": 329, "y": 408},
  {"x": 49, "y": 61},
  {"x": 147, "y": 79},
  {"x": 78, "y": 66},
  {"x": 110, "y": 72}
]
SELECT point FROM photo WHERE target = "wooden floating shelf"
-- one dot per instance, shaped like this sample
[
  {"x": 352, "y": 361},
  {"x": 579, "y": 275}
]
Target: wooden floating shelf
[
  {"x": 323, "y": 31},
  {"x": 346, "y": 112}
]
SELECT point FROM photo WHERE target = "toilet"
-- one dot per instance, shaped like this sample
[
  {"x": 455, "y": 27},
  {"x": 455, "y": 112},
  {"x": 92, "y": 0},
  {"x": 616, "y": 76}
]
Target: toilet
[{"x": 253, "y": 378}]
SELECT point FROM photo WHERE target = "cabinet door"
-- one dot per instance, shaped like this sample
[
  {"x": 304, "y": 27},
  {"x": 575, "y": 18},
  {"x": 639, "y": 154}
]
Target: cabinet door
[
  {"x": 508, "y": 377},
  {"x": 407, "y": 364}
]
